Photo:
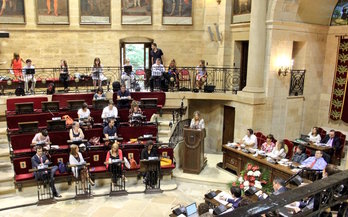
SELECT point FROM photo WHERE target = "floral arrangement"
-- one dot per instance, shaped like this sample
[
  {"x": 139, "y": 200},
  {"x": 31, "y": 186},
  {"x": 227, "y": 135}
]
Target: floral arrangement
[{"x": 253, "y": 177}]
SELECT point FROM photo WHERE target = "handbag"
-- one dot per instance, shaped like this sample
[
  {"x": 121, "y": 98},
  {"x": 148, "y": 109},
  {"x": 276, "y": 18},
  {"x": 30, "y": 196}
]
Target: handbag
[
  {"x": 61, "y": 167},
  {"x": 68, "y": 120},
  {"x": 95, "y": 141}
]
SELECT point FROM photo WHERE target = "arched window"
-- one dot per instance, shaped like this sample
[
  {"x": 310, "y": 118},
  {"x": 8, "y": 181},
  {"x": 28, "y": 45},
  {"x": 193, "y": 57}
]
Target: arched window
[{"x": 340, "y": 14}]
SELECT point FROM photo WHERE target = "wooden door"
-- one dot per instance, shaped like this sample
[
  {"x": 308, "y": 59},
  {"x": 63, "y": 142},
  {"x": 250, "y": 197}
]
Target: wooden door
[{"x": 228, "y": 129}]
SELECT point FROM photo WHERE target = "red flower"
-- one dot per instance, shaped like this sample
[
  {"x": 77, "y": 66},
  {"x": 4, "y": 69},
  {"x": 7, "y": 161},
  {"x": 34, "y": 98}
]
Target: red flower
[
  {"x": 255, "y": 168},
  {"x": 241, "y": 186},
  {"x": 234, "y": 184},
  {"x": 249, "y": 167},
  {"x": 245, "y": 177},
  {"x": 251, "y": 184},
  {"x": 263, "y": 182},
  {"x": 252, "y": 178}
]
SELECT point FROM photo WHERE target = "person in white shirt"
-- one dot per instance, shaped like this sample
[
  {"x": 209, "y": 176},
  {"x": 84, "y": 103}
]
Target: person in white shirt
[
  {"x": 249, "y": 139},
  {"x": 314, "y": 135},
  {"x": 279, "y": 150},
  {"x": 84, "y": 112},
  {"x": 109, "y": 112},
  {"x": 28, "y": 77},
  {"x": 197, "y": 122}
]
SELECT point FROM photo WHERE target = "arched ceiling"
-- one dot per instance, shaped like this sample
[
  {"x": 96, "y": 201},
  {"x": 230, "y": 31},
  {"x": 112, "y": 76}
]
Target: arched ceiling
[{"x": 303, "y": 11}]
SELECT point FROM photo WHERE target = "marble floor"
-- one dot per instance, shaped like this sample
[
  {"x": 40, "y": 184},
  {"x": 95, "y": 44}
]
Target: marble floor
[{"x": 181, "y": 189}]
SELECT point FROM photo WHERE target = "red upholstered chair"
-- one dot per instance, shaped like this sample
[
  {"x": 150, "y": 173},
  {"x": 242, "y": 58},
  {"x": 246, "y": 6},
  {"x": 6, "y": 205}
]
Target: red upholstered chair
[
  {"x": 59, "y": 138},
  {"x": 63, "y": 157},
  {"x": 260, "y": 139},
  {"x": 128, "y": 133},
  {"x": 184, "y": 79},
  {"x": 13, "y": 120},
  {"x": 11, "y": 103},
  {"x": 20, "y": 143},
  {"x": 290, "y": 148},
  {"x": 167, "y": 152},
  {"x": 95, "y": 132},
  {"x": 96, "y": 160},
  {"x": 63, "y": 98},
  {"x": 132, "y": 153},
  {"x": 308, "y": 152},
  {"x": 321, "y": 132},
  {"x": 21, "y": 167}
]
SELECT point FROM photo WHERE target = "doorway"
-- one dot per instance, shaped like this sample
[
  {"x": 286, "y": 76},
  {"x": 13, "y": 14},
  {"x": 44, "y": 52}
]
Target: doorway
[
  {"x": 244, "y": 64},
  {"x": 137, "y": 53},
  {"x": 228, "y": 127}
]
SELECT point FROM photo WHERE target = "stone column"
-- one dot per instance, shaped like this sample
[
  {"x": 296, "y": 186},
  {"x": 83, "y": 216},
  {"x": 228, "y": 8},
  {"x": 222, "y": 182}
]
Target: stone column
[{"x": 257, "y": 47}]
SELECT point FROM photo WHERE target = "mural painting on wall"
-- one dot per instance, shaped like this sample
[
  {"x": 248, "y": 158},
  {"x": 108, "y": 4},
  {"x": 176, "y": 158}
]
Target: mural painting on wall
[
  {"x": 340, "y": 13},
  {"x": 241, "y": 7},
  {"x": 136, "y": 12},
  {"x": 95, "y": 11},
  {"x": 52, "y": 11},
  {"x": 12, "y": 11},
  {"x": 177, "y": 12}
]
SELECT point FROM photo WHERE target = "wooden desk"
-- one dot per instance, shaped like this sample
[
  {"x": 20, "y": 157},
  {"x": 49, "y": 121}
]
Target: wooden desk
[
  {"x": 311, "y": 145},
  {"x": 237, "y": 160}
]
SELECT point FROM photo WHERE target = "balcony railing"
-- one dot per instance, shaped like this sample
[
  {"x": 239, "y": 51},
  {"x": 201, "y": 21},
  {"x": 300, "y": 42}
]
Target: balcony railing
[{"x": 223, "y": 79}]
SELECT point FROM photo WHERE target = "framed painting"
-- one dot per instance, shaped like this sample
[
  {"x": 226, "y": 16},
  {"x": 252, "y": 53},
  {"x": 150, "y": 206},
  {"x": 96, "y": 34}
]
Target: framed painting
[
  {"x": 177, "y": 12},
  {"x": 340, "y": 14},
  {"x": 52, "y": 11},
  {"x": 95, "y": 11},
  {"x": 136, "y": 12},
  {"x": 12, "y": 12},
  {"x": 241, "y": 7}
]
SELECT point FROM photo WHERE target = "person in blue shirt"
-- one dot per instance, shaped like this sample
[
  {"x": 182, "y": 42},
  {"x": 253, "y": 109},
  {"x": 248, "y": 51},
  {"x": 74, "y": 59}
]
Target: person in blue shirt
[{"x": 316, "y": 162}]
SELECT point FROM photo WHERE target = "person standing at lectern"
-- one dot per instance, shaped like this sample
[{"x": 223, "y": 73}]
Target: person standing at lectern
[
  {"x": 149, "y": 151},
  {"x": 197, "y": 122}
]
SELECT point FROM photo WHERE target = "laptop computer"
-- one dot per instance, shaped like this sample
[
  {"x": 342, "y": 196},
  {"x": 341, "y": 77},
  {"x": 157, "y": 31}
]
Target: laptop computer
[
  {"x": 30, "y": 71},
  {"x": 191, "y": 210},
  {"x": 304, "y": 137}
]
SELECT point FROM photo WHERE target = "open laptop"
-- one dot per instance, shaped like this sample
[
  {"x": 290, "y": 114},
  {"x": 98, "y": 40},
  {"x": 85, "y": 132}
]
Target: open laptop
[{"x": 191, "y": 210}]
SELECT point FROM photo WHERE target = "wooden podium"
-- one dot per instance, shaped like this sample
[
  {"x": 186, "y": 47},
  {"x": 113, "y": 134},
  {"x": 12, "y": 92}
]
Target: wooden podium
[{"x": 193, "y": 161}]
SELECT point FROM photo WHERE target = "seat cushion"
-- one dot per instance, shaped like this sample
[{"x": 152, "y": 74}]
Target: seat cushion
[
  {"x": 21, "y": 151},
  {"x": 98, "y": 169},
  {"x": 24, "y": 177},
  {"x": 169, "y": 167}
]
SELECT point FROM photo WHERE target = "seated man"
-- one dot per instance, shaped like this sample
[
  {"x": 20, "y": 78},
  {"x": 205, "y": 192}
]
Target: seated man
[
  {"x": 300, "y": 154},
  {"x": 42, "y": 139},
  {"x": 157, "y": 71},
  {"x": 331, "y": 140},
  {"x": 110, "y": 130},
  {"x": 278, "y": 188},
  {"x": 109, "y": 112},
  {"x": 249, "y": 140},
  {"x": 40, "y": 159},
  {"x": 316, "y": 162},
  {"x": 236, "y": 197},
  {"x": 123, "y": 97}
]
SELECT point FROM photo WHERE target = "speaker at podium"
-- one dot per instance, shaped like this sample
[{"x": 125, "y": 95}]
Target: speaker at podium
[{"x": 194, "y": 161}]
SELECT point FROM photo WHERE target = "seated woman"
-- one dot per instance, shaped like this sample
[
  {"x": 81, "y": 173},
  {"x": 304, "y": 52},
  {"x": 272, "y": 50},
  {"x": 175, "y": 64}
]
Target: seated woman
[
  {"x": 76, "y": 133},
  {"x": 268, "y": 146},
  {"x": 99, "y": 94},
  {"x": 84, "y": 112},
  {"x": 314, "y": 135},
  {"x": 113, "y": 154},
  {"x": 173, "y": 72},
  {"x": 197, "y": 122},
  {"x": 135, "y": 114},
  {"x": 236, "y": 197},
  {"x": 76, "y": 158},
  {"x": 300, "y": 154},
  {"x": 279, "y": 151},
  {"x": 201, "y": 74},
  {"x": 42, "y": 139}
]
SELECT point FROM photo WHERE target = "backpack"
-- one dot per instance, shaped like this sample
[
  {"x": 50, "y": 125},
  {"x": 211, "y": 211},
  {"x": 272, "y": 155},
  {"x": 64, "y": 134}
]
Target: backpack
[
  {"x": 61, "y": 167},
  {"x": 19, "y": 91},
  {"x": 133, "y": 164},
  {"x": 116, "y": 86},
  {"x": 68, "y": 120}
]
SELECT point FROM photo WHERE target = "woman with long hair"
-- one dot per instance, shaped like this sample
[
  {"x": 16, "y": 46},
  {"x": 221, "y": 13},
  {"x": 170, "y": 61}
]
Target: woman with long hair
[
  {"x": 64, "y": 75},
  {"x": 16, "y": 66},
  {"x": 201, "y": 74},
  {"x": 197, "y": 122},
  {"x": 97, "y": 72}
]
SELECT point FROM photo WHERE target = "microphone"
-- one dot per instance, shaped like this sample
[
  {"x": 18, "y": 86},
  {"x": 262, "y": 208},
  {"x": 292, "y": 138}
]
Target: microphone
[{"x": 50, "y": 112}]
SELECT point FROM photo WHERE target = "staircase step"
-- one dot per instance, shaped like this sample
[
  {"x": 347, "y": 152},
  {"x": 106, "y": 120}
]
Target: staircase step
[
  {"x": 7, "y": 190},
  {"x": 6, "y": 176},
  {"x": 3, "y": 130},
  {"x": 4, "y": 152},
  {"x": 6, "y": 165},
  {"x": 161, "y": 123},
  {"x": 164, "y": 139}
]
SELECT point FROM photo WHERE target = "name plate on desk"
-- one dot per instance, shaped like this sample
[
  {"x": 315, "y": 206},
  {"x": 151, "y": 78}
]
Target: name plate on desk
[
  {"x": 56, "y": 118},
  {"x": 153, "y": 158},
  {"x": 148, "y": 136},
  {"x": 112, "y": 137}
]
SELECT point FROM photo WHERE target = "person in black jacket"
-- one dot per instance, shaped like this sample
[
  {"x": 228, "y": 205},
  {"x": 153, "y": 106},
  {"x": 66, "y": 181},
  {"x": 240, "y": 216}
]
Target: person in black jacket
[
  {"x": 39, "y": 159},
  {"x": 149, "y": 151},
  {"x": 332, "y": 140}
]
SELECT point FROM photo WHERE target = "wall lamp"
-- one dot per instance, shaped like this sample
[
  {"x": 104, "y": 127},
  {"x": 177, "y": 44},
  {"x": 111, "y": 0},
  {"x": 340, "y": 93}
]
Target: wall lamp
[{"x": 284, "y": 66}]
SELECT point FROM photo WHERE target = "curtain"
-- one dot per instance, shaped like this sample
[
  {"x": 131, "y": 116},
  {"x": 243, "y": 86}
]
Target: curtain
[{"x": 339, "y": 101}]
